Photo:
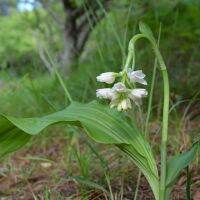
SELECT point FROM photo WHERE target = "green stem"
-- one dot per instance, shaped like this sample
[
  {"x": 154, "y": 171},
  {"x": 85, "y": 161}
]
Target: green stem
[
  {"x": 164, "y": 135},
  {"x": 53, "y": 64},
  {"x": 63, "y": 85},
  {"x": 162, "y": 195},
  {"x": 137, "y": 186},
  {"x": 128, "y": 61},
  {"x": 152, "y": 88},
  {"x": 109, "y": 186},
  {"x": 132, "y": 47},
  {"x": 131, "y": 51}
]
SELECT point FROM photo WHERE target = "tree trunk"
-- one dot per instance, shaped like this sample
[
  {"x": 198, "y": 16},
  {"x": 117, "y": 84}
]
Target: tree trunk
[
  {"x": 79, "y": 22},
  {"x": 4, "y": 10},
  {"x": 78, "y": 25},
  {"x": 69, "y": 51}
]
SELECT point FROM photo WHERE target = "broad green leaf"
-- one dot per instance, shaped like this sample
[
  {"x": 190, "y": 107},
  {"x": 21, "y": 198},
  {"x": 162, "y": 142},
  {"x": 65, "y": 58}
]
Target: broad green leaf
[
  {"x": 102, "y": 124},
  {"x": 11, "y": 138},
  {"x": 179, "y": 162},
  {"x": 145, "y": 29}
]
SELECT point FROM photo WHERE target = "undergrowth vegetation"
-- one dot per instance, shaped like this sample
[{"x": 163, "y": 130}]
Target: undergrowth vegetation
[{"x": 62, "y": 162}]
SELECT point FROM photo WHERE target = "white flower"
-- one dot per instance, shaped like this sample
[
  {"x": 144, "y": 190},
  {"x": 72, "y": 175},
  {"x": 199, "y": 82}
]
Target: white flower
[
  {"x": 121, "y": 104},
  {"x": 107, "y": 77},
  {"x": 105, "y": 93},
  {"x": 137, "y": 94},
  {"x": 125, "y": 104},
  {"x": 119, "y": 87},
  {"x": 137, "y": 76},
  {"x": 119, "y": 95}
]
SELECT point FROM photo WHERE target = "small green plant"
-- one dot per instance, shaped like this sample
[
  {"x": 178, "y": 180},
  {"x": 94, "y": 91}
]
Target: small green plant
[{"x": 109, "y": 126}]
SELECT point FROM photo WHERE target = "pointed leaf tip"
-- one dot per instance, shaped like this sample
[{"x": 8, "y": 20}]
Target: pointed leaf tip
[
  {"x": 179, "y": 162},
  {"x": 146, "y": 30}
]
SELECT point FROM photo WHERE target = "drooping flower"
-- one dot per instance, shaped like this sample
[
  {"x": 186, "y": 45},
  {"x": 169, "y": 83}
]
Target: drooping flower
[
  {"x": 121, "y": 104},
  {"x": 107, "y": 77},
  {"x": 137, "y": 76},
  {"x": 119, "y": 87},
  {"x": 137, "y": 94},
  {"x": 125, "y": 104},
  {"x": 121, "y": 94},
  {"x": 105, "y": 93}
]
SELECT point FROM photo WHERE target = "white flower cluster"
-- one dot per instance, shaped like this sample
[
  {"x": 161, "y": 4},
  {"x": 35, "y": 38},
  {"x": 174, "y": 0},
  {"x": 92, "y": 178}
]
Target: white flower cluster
[{"x": 120, "y": 95}]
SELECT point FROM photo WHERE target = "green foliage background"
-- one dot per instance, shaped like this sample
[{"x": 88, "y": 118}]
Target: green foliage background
[{"x": 105, "y": 50}]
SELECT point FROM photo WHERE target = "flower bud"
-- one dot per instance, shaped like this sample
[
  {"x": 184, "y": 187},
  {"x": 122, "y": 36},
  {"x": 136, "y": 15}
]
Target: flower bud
[{"x": 125, "y": 104}]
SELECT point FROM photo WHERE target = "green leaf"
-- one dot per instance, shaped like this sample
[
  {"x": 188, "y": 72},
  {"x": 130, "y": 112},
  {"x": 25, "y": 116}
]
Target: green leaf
[
  {"x": 102, "y": 124},
  {"x": 89, "y": 183},
  {"x": 145, "y": 29},
  {"x": 11, "y": 138},
  {"x": 179, "y": 162}
]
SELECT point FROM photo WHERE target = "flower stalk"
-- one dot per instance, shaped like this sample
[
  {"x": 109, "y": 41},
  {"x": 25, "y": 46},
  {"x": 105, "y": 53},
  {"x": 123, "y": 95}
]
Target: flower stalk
[
  {"x": 131, "y": 55},
  {"x": 164, "y": 135}
]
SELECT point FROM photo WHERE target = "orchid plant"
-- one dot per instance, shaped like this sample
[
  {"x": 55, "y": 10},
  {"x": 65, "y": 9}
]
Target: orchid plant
[{"x": 109, "y": 126}]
